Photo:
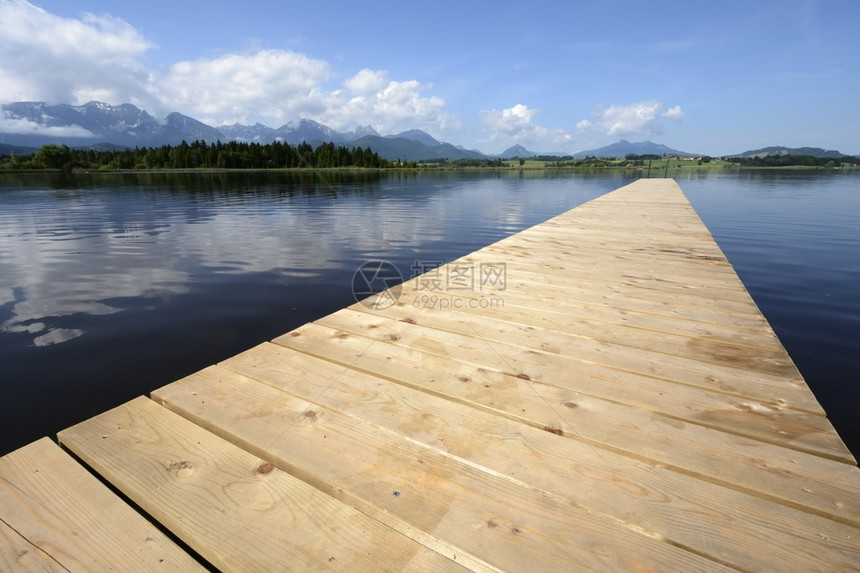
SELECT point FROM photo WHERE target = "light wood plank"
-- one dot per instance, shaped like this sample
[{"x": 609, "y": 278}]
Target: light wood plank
[
  {"x": 519, "y": 308},
  {"x": 600, "y": 260},
  {"x": 663, "y": 503},
  {"x": 826, "y": 487},
  {"x": 580, "y": 273},
  {"x": 522, "y": 329},
  {"x": 546, "y": 297},
  {"x": 662, "y": 311},
  {"x": 56, "y": 516},
  {"x": 649, "y": 283},
  {"x": 584, "y": 354},
  {"x": 19, "y": 554},
  {"x": 682, "y": 402},
  {"x": 644, "y": 283},
  {"x": 238, "y": 511},
  {"x": 496, "y": 520}
]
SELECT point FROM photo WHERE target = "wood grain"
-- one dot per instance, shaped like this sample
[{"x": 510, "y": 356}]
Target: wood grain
[
  {"x": 56, "y": 516},
  {"x": 238, "y": 511},
  {"x": 803, "y": 480},
  {"x": 414, "y": 487},
  {"x": 665, "y": 504}
]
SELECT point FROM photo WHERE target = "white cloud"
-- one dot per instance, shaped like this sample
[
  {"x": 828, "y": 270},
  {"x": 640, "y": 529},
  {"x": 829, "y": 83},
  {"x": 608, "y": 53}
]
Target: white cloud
[
  {"x": 515, "y": 120},
  {"x": 371, "y": 97},
  {"x": 283, "y": 86},
  {"x": 642, "y": 118},
  {"x": 367, "y": 82},
  {"x": 674, "y": 113},
  {"x": 630, "y": 119},
  {"x": 240, "y": 88},
  {"x": 23, "y": 126},
  {"x": 62, "y": 60},
  {"x": 514, "y": 125},
  {"x": 44, "y": 57}
]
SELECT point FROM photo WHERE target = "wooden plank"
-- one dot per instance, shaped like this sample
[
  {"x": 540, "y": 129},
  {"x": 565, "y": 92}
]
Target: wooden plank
[
  {"x": 608, "y": 247},
  {"x": 613, "y": 259},
  {"x": 585, "y": 354},
  {"x": 637, "y": 391},
  {"x": 601, "y": 272},
  {"x": 561, "y": 311},
  {"x": 582, "y": 279},
  {"x": 552, "y": 311},
  {"x": 238, "y": 511},
  {"x": 647, "y": 282},
  {"x": 521, "y": 329},
  {"x": 660, "y": 502},
  {"x": 55, "y": 516},
  {"x": 543, "y": 297},
  {"x": 828, "y": 487},
  {"x": 19, "y": 554},
  {"x": 663, "y": 311},
  {"x": 581, "y": 226},
  {"x": 491, "y": 517}
]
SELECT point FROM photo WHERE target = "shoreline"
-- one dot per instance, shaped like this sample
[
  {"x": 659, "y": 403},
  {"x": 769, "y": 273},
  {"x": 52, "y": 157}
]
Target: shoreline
[{"x": 656, "y": 169}]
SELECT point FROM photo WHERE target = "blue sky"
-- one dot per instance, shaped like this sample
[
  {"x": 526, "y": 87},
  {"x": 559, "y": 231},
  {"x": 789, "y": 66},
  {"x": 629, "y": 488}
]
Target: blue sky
[{"x": 714, "y": 78}]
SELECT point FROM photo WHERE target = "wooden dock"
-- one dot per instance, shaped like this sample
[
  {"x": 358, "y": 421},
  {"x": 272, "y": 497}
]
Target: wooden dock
[{"x": 598, "y": 392}]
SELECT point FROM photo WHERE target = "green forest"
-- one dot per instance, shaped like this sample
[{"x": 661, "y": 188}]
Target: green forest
[
  {"x": 199, "y": 155},
  {"x": 280, "y": 155},
  {"x": 787, "y": 160}
]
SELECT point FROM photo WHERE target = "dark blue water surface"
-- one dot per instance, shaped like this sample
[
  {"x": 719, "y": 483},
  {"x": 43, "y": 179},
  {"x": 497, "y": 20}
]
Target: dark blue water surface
[{"x": 114, "y": 285}]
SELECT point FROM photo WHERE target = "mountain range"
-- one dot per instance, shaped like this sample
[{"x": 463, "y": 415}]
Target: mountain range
[
  {"x": 29, "y": 125},
  {"x": 33, "y": 124},
  {"x": 39, "y": 123}
]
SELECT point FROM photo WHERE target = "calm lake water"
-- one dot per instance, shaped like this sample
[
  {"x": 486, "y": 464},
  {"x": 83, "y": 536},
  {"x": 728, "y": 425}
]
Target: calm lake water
[{"x": 114, "y": 285}]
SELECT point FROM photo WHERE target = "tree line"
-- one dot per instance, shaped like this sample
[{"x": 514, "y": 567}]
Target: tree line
[
  {"x": 793, "y": 160},
  {"x": 588, "y": 162},
  {"x": 200, "y": 155}
]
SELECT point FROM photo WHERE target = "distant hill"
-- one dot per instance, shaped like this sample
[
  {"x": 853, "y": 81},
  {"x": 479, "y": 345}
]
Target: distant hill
[
  {"x": 417, "y": 135},
  {"x": 393, "y": 148},
  {"x": 624, "y": 147},
  {"x": 516, "y": 151},
  {"x": 779, "y": 150},
  {"x": 6, "y": 149}
]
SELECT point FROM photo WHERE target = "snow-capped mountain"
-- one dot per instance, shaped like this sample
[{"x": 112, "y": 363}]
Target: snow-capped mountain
[
  {"x": 293, "y": 133},
  {"x": 37, "y": 123},
  {"x": 362, "y": 131},
  {"x": 257, "y": 133}
]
